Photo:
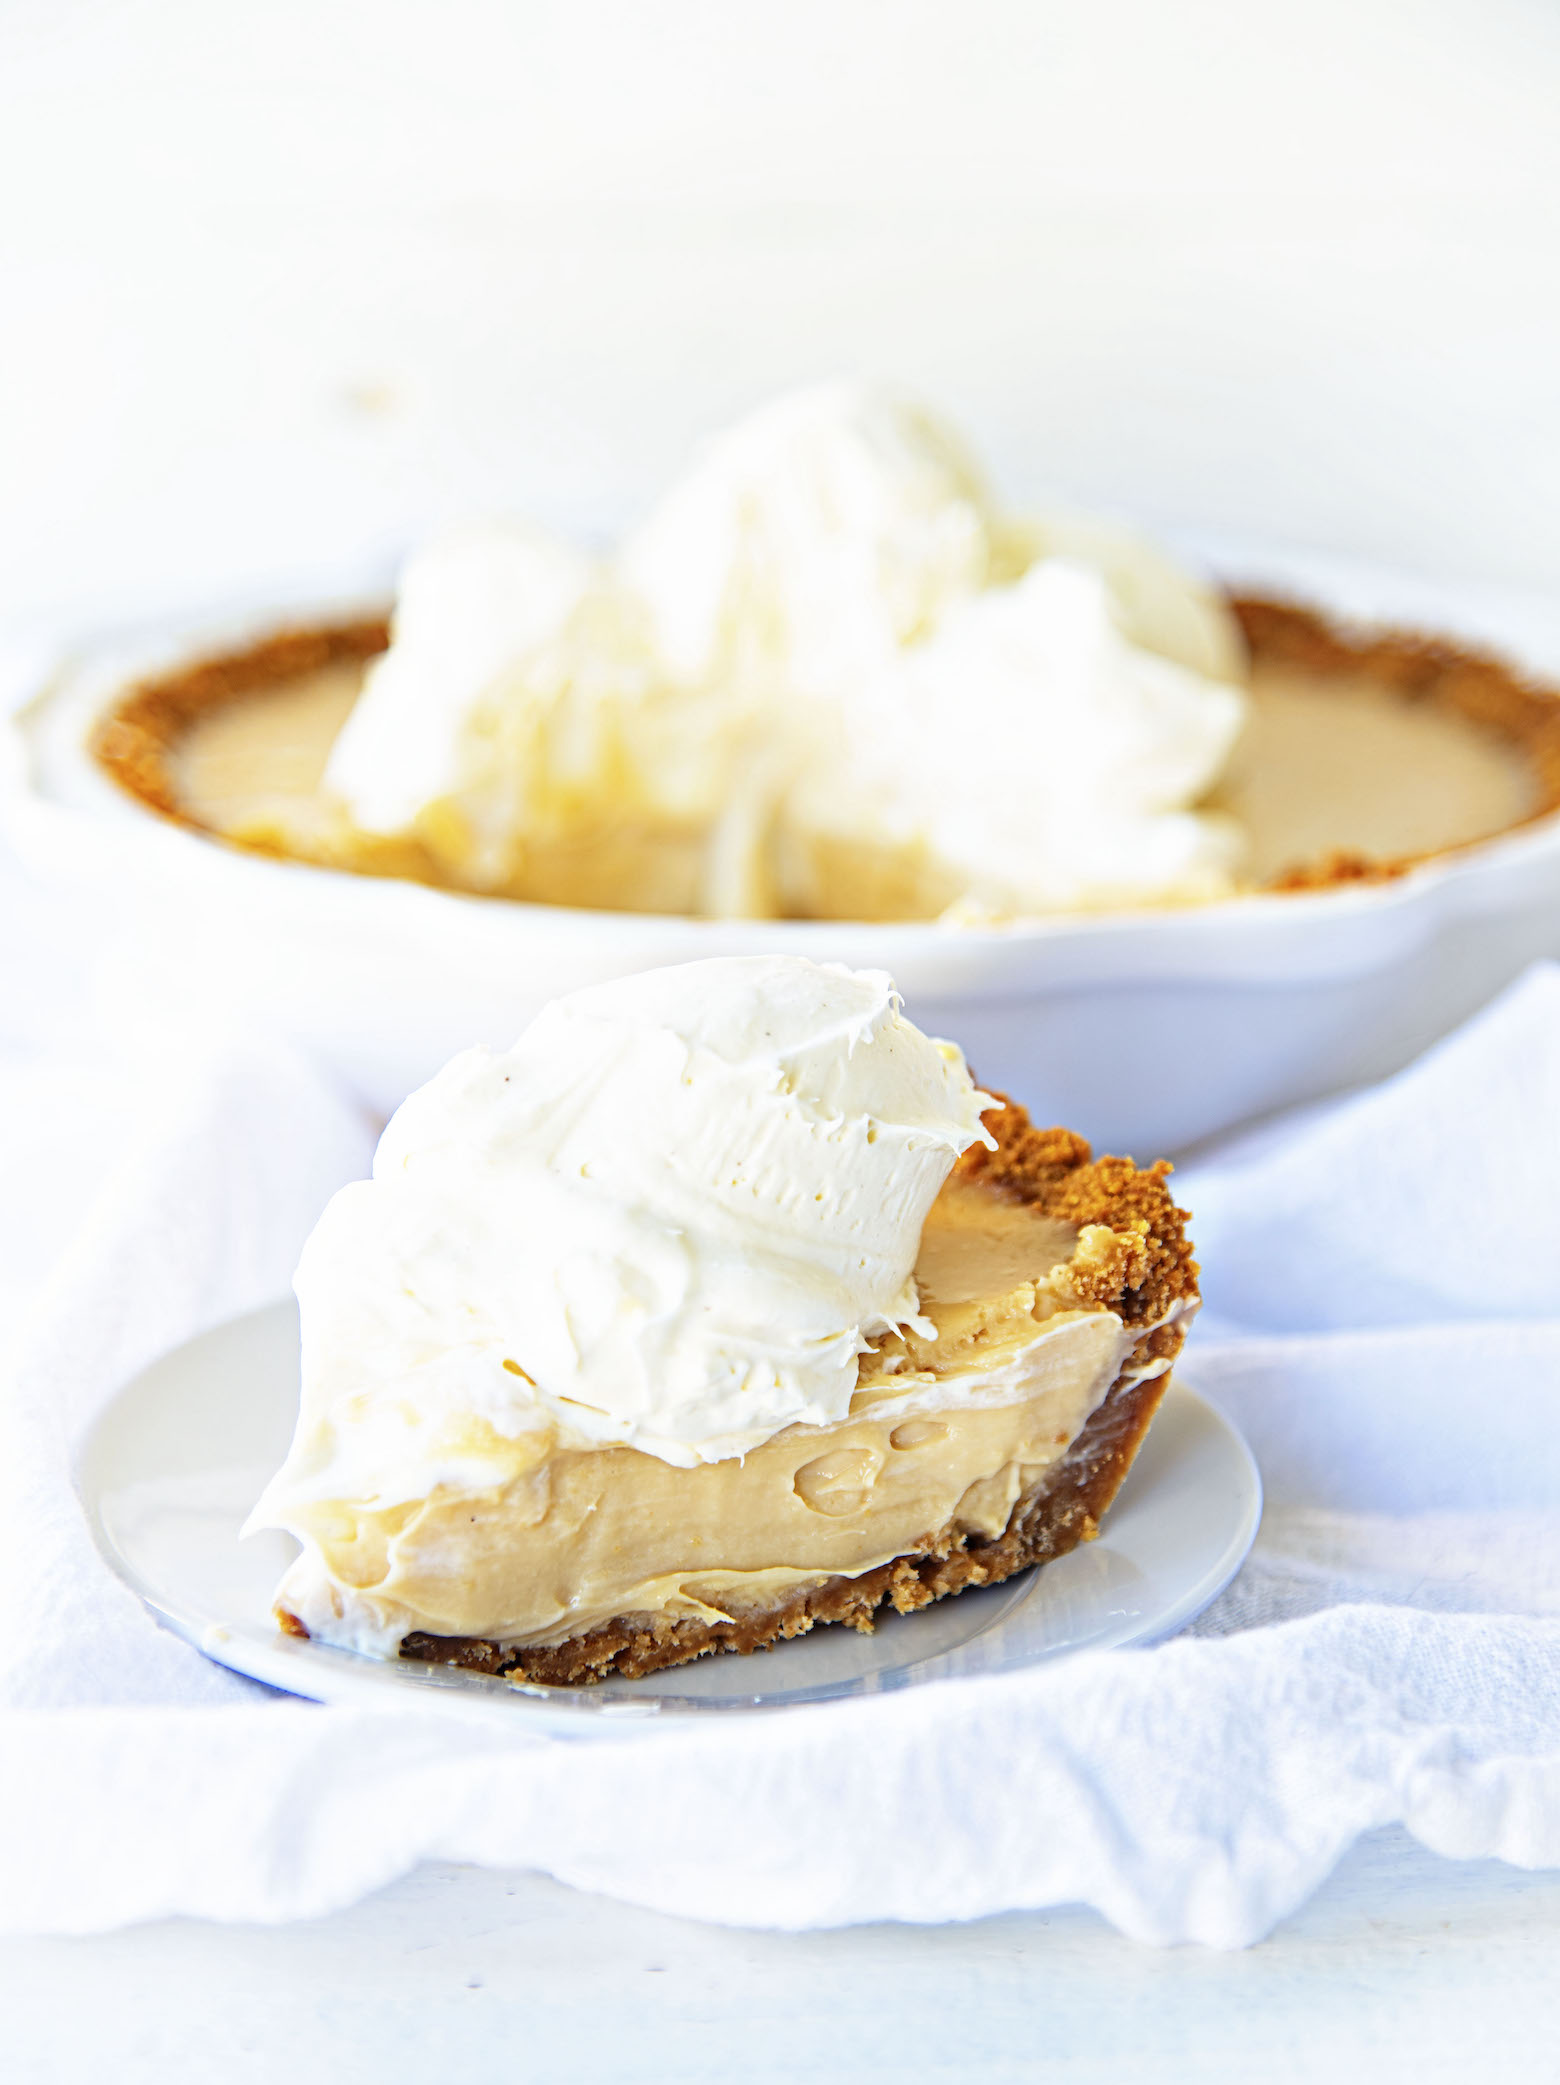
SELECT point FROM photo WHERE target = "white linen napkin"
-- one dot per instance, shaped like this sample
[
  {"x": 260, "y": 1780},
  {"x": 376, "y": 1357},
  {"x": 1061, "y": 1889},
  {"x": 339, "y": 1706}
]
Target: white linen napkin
[{"x": 1383, "y": 1281}]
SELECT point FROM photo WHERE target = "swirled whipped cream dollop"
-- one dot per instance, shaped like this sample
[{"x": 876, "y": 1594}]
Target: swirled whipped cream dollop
[
  {"x": 483, "y": 617},
  {"x": 811, "y": 542},
  {"x": 672, "y": 1216},
  {"x": 522, "y": 713},
  {"x": 1098, "y": 747},
  {"x": 827, "y": 631}
]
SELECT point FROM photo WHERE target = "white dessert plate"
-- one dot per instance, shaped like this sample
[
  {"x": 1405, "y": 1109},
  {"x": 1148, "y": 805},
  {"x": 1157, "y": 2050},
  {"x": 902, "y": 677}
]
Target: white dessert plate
[{"x": 174, "y": 1464}]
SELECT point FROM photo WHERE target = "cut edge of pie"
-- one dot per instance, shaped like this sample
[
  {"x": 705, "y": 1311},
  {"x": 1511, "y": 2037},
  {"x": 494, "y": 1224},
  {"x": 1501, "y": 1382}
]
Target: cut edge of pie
[
  {"x": 1147, "y": 1277},
  {"x": 135, "y": 740}
]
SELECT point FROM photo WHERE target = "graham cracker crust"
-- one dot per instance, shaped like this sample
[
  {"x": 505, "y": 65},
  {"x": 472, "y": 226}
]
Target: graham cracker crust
[
  {"x": 136, "y": 739},
  {"x": 1149, "y": 1273}
]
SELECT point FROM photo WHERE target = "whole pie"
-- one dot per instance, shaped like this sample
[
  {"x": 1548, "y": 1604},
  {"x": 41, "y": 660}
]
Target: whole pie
[
  {"x": 1365, "y": 753},
  {"x": 830, "y": 677}
]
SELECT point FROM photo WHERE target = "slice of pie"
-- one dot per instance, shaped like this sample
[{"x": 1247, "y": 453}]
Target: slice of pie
[{"x": 461, "y": 1498}]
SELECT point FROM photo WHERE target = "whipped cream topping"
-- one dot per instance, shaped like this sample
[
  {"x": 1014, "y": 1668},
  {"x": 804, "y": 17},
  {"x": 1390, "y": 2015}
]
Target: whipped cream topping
[
  {"x": 521, "y": 698},
  {"x": 1097, "y": 746},
  {"x": 811, "y": 542},
  {"x": 1156, "y": 603},
  {"x": 477, "y": 612},
  {"x": 672, "y": 1217},
  {"x": 826, "y": 626}
]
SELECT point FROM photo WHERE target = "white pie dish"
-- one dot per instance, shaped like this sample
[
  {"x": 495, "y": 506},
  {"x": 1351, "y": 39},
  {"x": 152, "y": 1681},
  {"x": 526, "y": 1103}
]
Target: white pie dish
[{"x": 1146, "y": 1031}]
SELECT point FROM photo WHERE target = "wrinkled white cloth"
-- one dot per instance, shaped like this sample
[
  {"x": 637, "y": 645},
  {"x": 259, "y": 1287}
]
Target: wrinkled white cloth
[{"x": 1383, "y": 1283}]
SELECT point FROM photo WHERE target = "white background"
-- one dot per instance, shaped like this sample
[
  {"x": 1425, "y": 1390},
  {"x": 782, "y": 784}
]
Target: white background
[
  {"x": 280, "y": 283},
  {"x": 283, "y": 281}
]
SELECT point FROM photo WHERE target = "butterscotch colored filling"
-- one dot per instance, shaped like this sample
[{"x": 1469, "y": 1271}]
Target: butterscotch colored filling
[
  {"x": 1345, "y": 766},
  {"x": 944, "y": 1431}
]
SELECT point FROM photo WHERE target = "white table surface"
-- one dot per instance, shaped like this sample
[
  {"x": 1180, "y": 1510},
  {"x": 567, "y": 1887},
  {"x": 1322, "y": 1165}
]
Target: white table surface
[{"x": 1423, "y": 1969}]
